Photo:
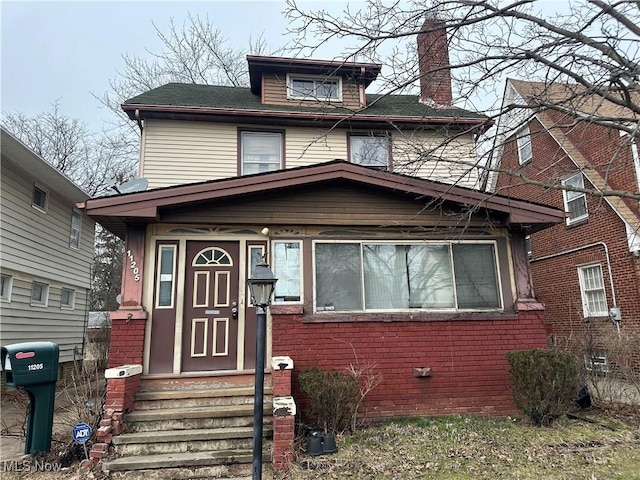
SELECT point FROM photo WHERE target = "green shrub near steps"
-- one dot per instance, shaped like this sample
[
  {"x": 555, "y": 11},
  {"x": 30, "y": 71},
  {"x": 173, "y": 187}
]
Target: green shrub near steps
[{"x": 545, "y": 383}]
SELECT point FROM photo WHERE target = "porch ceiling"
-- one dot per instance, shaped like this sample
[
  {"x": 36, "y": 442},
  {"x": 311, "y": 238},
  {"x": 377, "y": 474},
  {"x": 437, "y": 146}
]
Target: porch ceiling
[{"x": 145, "y": 207}]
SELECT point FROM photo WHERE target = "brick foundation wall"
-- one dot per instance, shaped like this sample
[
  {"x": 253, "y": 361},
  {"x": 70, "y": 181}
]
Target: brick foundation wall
[
  {"x": 469, "y": 370},
  {"x": 127, "y": 341}
]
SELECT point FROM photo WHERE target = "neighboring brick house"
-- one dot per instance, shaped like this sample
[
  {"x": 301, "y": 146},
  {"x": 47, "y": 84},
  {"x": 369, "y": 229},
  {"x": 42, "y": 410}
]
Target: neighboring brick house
[
  {"x": 586, "y": 270},
  {"x": 384, "y": 254}
]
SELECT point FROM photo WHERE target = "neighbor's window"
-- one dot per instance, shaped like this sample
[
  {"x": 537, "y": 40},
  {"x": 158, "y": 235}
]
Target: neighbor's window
[
  {"x": 40, "y": 196},
  {"x": 67, "y": 298},
  {"x": 575, "y": 202},
  {"x": 313, "y": 88},
  {"x": 358, "y": 276},
  {"x": 287, "y": 269},
  {"x": 76, "y": 226},
  {"x": 369, "y": 150},
  {"x": 6, "y": 284},
  {"x": 39, "y": 294},
  {"x": 525, "y": 153},
  {"x": 594, "y": 298},
  {"x": 260, "y": 152}
]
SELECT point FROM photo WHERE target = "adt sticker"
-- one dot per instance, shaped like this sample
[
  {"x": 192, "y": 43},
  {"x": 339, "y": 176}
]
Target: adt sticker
[{"x": 81, "y": 432}]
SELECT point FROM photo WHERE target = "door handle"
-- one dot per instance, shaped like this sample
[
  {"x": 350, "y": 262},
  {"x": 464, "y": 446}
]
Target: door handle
[{"x": 234, "y": 311}]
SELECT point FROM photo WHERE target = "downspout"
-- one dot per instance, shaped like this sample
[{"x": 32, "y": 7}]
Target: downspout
[
  {"x": 584, "y": 247},
  {"x": 138, "y": 119},
  {"x": 363, "y": 96}
]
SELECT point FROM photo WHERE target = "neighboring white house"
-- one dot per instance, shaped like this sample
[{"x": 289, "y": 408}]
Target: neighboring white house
[{"x": 46, "y": 252}]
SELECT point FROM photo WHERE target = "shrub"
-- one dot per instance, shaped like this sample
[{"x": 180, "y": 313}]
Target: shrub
[
  {"x": 333, "y": 397},
  {"x": 545, "y": 383}
]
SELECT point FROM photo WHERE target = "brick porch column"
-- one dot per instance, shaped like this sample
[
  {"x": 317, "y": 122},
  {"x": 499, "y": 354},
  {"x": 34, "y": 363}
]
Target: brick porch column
[{"x": 284, "y": 413}]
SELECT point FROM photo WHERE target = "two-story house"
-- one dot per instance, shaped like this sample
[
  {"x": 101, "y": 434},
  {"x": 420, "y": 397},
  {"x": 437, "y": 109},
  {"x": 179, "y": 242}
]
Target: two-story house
[
  {"x": 364, "y": 207},
  {"x": 586, "y": 269},
  {"x": 46, "y": 253}
]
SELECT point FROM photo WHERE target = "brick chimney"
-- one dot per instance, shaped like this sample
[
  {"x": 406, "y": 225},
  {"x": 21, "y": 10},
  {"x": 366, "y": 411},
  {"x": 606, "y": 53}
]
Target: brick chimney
[{"x": 433, "y": 61}]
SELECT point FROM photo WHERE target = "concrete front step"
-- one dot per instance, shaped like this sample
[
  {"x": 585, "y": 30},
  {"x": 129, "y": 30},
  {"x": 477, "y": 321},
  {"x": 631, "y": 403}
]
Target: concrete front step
[
  {"x": 181, "y": 441},
  {"x": 192, "y": 465},
  {"x": 190, "y": 418},
  {"x": 196, "y": 398}
]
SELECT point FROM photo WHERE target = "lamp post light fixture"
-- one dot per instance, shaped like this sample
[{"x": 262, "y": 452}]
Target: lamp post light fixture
[{"x": 261, "y": 286}]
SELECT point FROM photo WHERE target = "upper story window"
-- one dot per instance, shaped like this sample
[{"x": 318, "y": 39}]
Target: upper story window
[
  {"x": 525, "y": 152},
  {"x": 76, "y": 227},
  {"x": 67, "y": 298},
  {"x": 40, "y": 198},
  {"x": 39, "y": 294},
  {"x": 6, "y": 284},
  {"x": 575, "y": 202},
  {"x": 303, "y": 87},
  {"x": 594, "y": 297},
  {"x": 260, "y": 152},
  {"x": 362, "y": 276},
  {"x": 370, "y": 150}
]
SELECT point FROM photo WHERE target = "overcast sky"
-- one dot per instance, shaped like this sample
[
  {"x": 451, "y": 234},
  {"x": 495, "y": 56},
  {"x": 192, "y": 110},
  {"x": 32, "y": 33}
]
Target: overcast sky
[{"x": 65, "y": 51}]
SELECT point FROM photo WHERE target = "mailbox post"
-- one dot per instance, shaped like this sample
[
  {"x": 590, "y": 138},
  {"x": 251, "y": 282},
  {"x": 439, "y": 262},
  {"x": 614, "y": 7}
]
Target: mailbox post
[{"x": 33, "y": 366}]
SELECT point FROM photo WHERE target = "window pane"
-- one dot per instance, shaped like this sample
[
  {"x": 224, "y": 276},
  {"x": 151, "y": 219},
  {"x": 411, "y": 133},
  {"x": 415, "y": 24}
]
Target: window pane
[
  {"x": 76, "y": 222},
  {"x": 302, "y": 87},
  {"x": 261, "y": 152},
  {"x": 5, "y": 287},
  {"x": 593, "y": 293},
  {"x": 430, "y": 277},
  {"x": 39, "y": 292},
  {"x": 286, "y": 268},
  {"x": 524, "y": 145},
  {"x": 165, "y": 283},
  {"x": 369, "y": 150},
  {"x": 39, "y": 197},
  {"x": 67, "y": 297},
  {"x": 327, "y": 90},
  {"x": 476, "y": 277},
  {"x": 338, "y": 276}
]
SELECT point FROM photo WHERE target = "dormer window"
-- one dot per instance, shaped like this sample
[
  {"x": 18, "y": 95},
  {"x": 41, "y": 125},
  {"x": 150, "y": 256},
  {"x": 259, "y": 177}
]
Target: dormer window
[{"x": 308, "y": 87}]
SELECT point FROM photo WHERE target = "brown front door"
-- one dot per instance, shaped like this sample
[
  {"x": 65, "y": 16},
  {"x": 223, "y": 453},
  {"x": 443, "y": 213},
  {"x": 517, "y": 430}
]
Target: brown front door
[{"x": 210, "y": 329}]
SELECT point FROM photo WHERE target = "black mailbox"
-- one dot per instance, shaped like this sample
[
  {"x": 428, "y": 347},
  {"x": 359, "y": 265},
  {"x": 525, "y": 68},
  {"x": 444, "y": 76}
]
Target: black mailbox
[
  {"x": 30, "y": 363},
  {"x": 33, "y": 366}
]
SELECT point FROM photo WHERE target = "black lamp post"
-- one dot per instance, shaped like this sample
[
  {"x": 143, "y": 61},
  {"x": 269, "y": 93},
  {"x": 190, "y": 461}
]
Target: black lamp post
[{"x": 261, "y": 286}]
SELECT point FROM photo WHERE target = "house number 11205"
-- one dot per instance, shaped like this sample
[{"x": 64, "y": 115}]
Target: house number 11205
[{"x": 133, "y": 266}]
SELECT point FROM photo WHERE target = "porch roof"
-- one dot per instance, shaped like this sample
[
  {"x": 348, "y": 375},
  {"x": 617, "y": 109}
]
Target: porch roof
[{"x": 114, "y": 212}]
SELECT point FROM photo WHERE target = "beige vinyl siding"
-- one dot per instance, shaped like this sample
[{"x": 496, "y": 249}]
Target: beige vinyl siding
[
  {"x": 430, "y": 155},
  {"x": 275, "y": 93},
  {"x": 308, "y": 146},
  {"x": 37, "y": 243},
  {"x": 179, "y": 152},
  {"x": 22, "y": 322}
]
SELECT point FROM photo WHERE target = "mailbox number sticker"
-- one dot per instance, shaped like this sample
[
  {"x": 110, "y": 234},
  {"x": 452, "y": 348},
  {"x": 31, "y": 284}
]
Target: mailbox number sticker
[{"x": 35, "y": 366}]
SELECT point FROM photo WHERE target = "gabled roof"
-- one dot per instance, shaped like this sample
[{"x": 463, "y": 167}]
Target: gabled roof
[
  {"x": 574, "y": 97},
  {"x": 361, "y": 72},
  {"x": 237, "y": 104},
  {"x": 146, "y": 207},
  {"x": 26, "y": 159}
]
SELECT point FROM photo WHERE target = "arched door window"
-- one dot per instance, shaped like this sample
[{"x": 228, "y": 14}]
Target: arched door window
[{"x": 212, "y": 256}]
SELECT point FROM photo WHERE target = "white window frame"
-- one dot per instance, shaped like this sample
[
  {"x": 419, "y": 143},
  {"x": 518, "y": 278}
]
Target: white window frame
[
  {"x": 283, "y": 276},
  {"x": 76, "y": 230},
  {"x": 525, "y": 148},
  {"x": 44, "y": 300},
  {"x": 246, "y": 133},
  {"x": 449, "y": 244},
  {"x": 72, "y": 298},
  {"x": 42, "y": 208},
  {"x": 586, "y": 290},
  {"x": 371, "y": 136},
  {"x": 571, "y": 196},
  {"x": 7, "y": 287},
  {"x": 318, "y": 80}
]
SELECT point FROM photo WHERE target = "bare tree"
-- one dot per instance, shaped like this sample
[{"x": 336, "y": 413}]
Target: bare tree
[
  {"x": 195, "y": 52},
  {"x": 591, "y": 47}
]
